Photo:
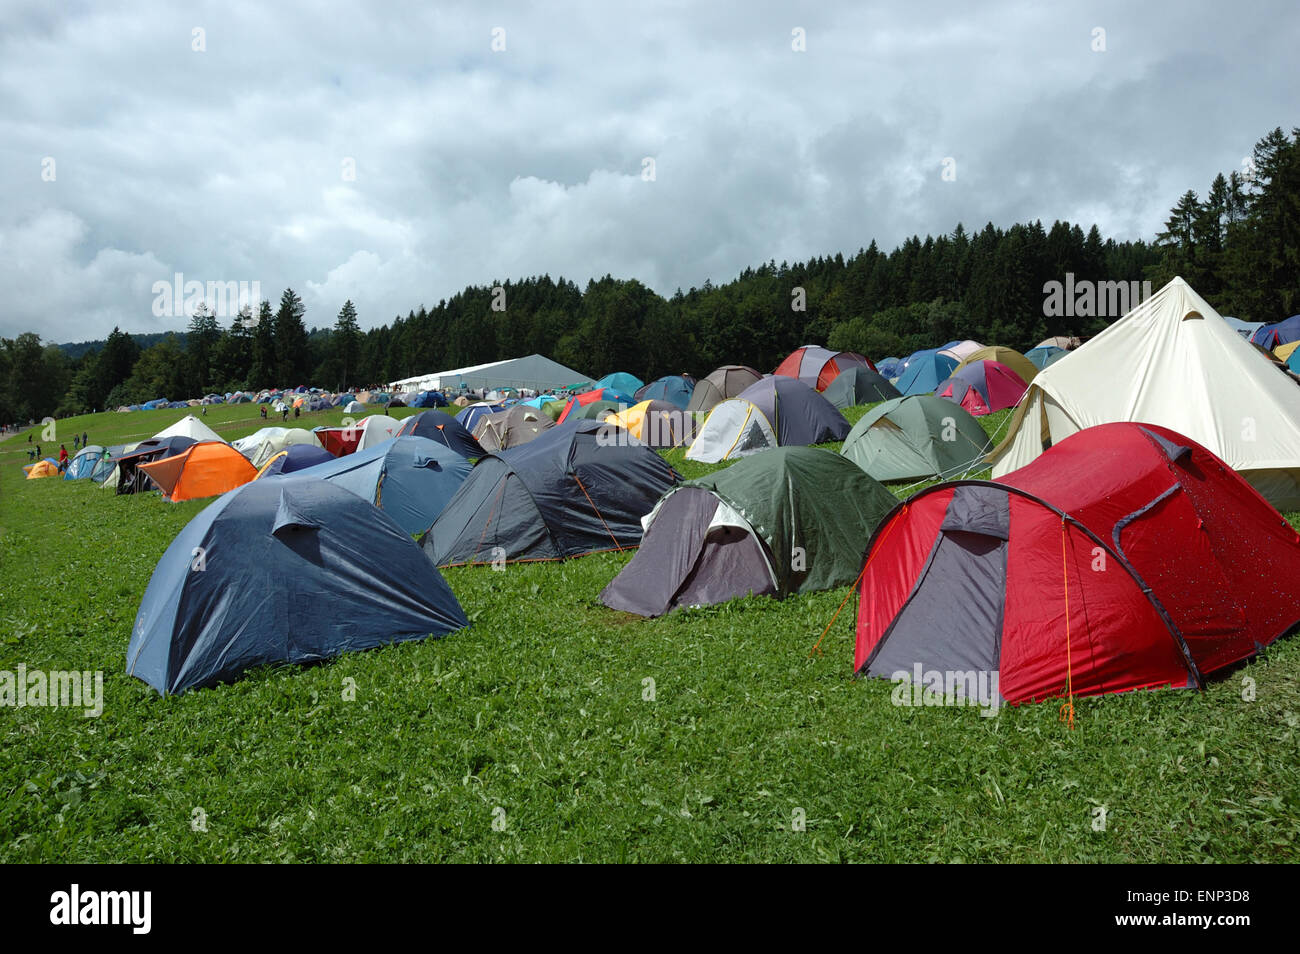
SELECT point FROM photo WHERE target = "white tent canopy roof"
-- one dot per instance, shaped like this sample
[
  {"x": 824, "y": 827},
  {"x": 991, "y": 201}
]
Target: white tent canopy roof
[
  {"x": 1175, "y": 362},
  {"x": 190, "y": 426},
  {"x": 535, "y": 372}
]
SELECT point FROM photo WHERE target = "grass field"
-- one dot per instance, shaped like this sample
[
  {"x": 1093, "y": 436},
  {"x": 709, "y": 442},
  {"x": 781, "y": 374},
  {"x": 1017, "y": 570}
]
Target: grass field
[{"x": 536, "y": 719}]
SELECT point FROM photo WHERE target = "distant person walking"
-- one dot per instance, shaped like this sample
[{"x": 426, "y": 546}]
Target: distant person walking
[
  {"x": 263, "y": 410},
  {"x": 85, "y": 439},
  {"x": 76, "y": 441}
]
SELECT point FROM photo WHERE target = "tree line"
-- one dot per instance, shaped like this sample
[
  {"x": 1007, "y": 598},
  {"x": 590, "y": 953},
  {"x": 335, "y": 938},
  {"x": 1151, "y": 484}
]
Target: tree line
[{"x": 1239, "y": 247}]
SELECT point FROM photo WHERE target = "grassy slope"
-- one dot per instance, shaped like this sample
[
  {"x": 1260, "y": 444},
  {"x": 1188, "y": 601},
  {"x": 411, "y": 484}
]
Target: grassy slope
[{"x": 538, "y": 709}]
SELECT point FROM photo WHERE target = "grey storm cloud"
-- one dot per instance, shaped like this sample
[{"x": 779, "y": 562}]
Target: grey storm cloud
[{"x": 228, "y": 163}]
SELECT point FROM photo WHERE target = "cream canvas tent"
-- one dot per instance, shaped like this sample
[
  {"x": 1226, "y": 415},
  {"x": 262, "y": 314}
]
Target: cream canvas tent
[
  {"x": 1175, "y": 362},
  {"x": 190, "y": 426}
]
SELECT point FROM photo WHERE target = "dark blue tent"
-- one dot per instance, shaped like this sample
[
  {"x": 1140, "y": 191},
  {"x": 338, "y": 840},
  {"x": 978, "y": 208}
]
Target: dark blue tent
[
  {"x": 290, "y": 570},
  {"x": 443, "y": 428},
  {"x": 294, "y": 458},
  {"x": 132, "y": 480},
  {"x": 674, "y": 388},
  {"x": 1278, "y": 333},
  {"x": 409, "y": 478},
  {"x": 428, "y": 399},
  {"x": 579, "y": 487},
  {"x": 469, "y": 416}
]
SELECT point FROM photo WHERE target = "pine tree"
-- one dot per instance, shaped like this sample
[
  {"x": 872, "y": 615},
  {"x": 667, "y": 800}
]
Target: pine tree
[{"x": 291, "y": 357}]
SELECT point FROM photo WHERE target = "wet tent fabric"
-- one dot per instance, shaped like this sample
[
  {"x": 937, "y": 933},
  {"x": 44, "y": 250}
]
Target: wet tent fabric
[
  {"x": 793, "y": 412},
  {"x": 915, "y": 438},
  {"x": 443, "y": 428},
  {"x": 205, "y": 469},
  {"x": 295, "y": 570},
  {"x": 817, "y": 367},
  {"x": 1170, "y": 361},
  {"x": 793, "y": 520},
  {"x": 983, "y": 387},
  {"x": 294, "y": 458},
  {"x": 925, "y": 370},
  {"x": 509, "y": 428},
  {"x": 722, "y": 383},
  {"x": 655, "y": 423},
  {"x": 676, "y": 389},
  {"x": 1017, "y": 362},
  {"x": 858, "y": 386},
  {"x": 409, "y": 478},
  {"x": 83, "y": 465},
  {"x": 1044, "y": 355},
  {"x": 974, "y": 576},
  {"x": 1278, "y": 333},
  {"x": 571, "y": 491}
]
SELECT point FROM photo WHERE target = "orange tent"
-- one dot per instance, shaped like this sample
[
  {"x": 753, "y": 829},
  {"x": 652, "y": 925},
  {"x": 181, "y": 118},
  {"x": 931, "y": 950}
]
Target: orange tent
[
  {"x": 205, "y": 469},
  {"x": 42, "y": 468}
]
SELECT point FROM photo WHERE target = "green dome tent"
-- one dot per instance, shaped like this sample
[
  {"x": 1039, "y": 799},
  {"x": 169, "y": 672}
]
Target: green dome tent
[
  {"x": 916, "y": 437},
  {"x": 788, "y": 520}
]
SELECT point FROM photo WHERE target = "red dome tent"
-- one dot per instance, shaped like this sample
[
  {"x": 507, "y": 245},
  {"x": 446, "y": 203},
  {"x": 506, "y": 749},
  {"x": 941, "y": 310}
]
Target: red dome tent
[
  {"x": 983, "y": 387},
  {"x": 818, "y": 367},
  {"x": 1170, "y": 564}
]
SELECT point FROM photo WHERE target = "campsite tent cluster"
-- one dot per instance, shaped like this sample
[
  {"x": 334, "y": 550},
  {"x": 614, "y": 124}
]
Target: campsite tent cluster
[{"x": 1172, "y": 473}]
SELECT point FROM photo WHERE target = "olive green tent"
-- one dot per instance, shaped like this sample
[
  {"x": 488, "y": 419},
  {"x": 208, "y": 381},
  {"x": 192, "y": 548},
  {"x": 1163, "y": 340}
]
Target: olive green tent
[
  {"x": 788, "y": 520},
  {"x": 858, "y": 386},
  {"x": 917, "y": 437}
]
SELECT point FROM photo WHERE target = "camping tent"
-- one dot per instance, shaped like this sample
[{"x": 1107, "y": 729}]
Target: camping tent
[
  {"x": 959, "y": 351},
  {"x": 858, "y": 386},
  {"x": 205, "y": 469},
  {"x": 129, "y": 478},
  {"x": 469, "y": 416},
  {"x": 355, "y": 407},
  {"x": 889, "y": 368},
  {"x": 1044, "y": 355},
  {"x": 428, "y": 399},
  {"x": 1244, "y": 328},
  {"x": 915, "y": 438},
  {"x": 443, "y": 428},
  {"x": 262, "y": 445},
  {"x": 1125, "y": 557},
  {"x": 622, "y": 382},
  {"x": 1017, "y": 362},
  {"x": 776, "y": 411},
  {"x": 656, "y": 423},
  {"x": 294, "y": 458},
  {"x": 587, "y": 398},
  {"x": 792, "y": 520},
  {"x": 42, "y": 468},
  {"x": 924, "y": 371},
  {"x": 1170, "y": 361},
  {"x": 1060, "y": 341},
  {"x": 817, "y": 367},
  {"x": 316, "y": 572},
  {"x": 409, "y": 478},
  {"x": 509, "y": 428},
  {"x": 722, "y": 383},
  {"x": 571, "y": 491},
  {"x": 983, "y": 387},
  {"x": 1278, "y": 333},
  {"x": 106, "y": 466},
  {"x": 191, "y": 427},
  {"x": 674, "y": 388},
  {"x": 83, "y": 465}
]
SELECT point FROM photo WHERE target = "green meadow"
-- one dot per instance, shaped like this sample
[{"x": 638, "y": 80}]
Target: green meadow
[{"x": 554, "y": 729}]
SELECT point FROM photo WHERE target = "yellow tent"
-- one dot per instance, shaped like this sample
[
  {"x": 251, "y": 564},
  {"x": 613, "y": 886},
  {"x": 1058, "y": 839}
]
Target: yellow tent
[
  {"x": 1013, "y": 359},
  {"x": 42, "y": 468},
  {"x": 1282, "y": 352},
  {"x": 656, "y": 423}
]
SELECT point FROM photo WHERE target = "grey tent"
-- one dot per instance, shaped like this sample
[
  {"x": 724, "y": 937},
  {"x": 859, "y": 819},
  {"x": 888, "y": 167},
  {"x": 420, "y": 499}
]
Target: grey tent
[
  {"x": 791, "y": 520},
  {"x": 777, "y": 411},
  {"x": 725, "y": 382},
  {"x": 580, "y": 487},
  {"x": 516, "y": 425},
  {"x": 287, "y": 570},
  {"x": 859, "y": 386}
]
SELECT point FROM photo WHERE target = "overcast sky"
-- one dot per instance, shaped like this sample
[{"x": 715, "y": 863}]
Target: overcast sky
[{"x": 231, "y": 162}]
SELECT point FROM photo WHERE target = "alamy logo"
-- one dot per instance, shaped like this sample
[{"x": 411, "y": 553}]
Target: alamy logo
[
  {"x": 56, "y": 689},
  {"x": 934, "y": 687},
  {"x": 1086, "y": 299},
  {"x": 181, "y": 299},
  {"x": 75, "y": 906}
]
